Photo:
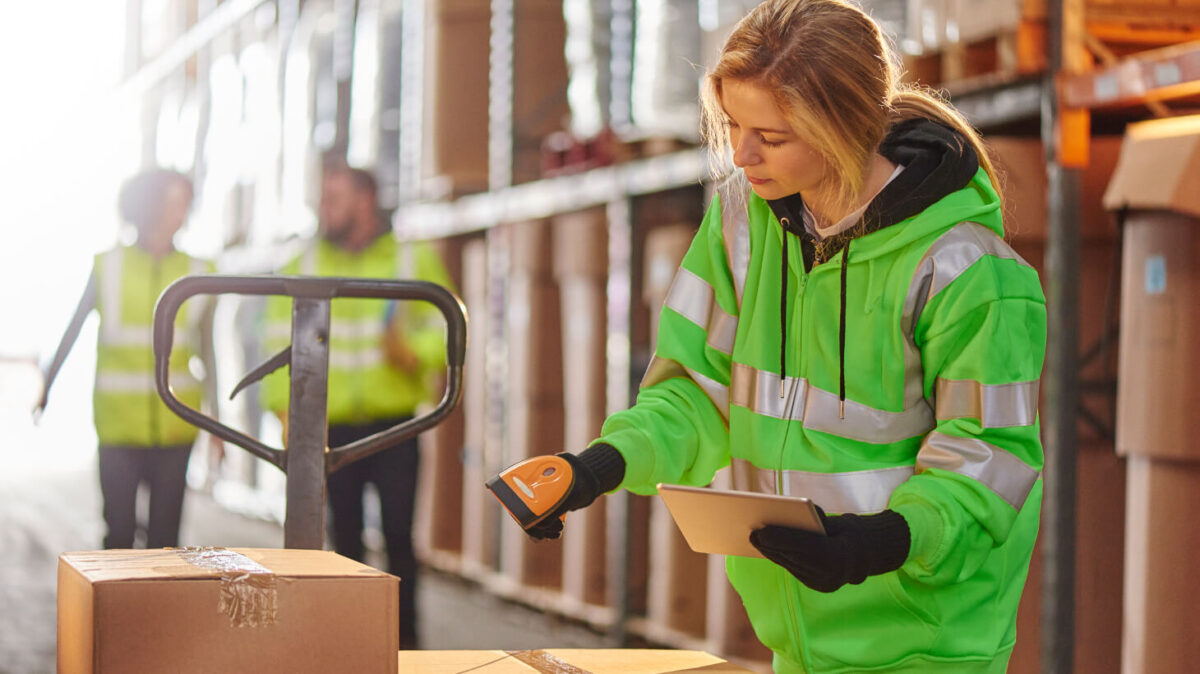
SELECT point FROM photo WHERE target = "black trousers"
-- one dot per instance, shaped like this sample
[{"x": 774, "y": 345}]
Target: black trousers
[
  {"x": 394, "y": 473},
  {"x": 164, "y": 470}
]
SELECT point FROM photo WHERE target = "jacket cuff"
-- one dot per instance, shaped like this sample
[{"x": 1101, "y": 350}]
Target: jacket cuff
[
  {"x": 606, "y": 464},
  {"x": 891, "y": 538}
]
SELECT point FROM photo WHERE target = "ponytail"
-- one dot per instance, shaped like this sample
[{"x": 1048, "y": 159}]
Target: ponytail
[{"x": 910, "y": 101}]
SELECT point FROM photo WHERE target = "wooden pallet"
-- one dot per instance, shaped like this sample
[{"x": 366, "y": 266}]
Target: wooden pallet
[{"x": 1008, "y": 54}]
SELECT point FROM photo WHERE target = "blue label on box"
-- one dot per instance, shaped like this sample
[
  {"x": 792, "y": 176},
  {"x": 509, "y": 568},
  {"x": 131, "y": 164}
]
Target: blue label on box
[{"x": 1156, "y": 275}]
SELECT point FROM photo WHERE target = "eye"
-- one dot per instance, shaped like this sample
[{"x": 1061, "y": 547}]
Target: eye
[{"x": 767, "y": 143}]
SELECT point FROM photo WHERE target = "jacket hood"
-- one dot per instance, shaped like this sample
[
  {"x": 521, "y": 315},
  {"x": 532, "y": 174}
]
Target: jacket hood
[{"x": 928, "y": 195}]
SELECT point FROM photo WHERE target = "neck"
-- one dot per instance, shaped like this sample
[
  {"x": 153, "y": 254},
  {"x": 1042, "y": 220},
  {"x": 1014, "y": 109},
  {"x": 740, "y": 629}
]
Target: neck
[
  {"x": 363, "y": 235},
  {"x": 156, "y": 248},
  {"x": 825, "y": 207}
]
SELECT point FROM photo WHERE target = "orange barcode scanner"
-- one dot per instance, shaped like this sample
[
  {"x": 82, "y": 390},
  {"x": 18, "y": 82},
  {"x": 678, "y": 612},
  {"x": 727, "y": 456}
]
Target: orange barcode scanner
[{"x": 532, "y": 489}]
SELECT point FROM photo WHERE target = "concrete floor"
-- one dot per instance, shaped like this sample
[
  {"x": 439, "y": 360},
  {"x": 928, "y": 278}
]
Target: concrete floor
[{"x": 47, "y": 509}]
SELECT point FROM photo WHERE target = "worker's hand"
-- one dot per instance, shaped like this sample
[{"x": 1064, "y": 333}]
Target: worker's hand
[
  {"x": 853, "y": 547},
  {"x": 597, "y": 470}
]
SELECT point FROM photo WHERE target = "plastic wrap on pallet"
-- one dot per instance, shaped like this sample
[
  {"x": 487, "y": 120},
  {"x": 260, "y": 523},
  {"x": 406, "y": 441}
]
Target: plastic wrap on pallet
[
  {"x": 589, "y": 65},
  {"x": 666, "y": 80}
]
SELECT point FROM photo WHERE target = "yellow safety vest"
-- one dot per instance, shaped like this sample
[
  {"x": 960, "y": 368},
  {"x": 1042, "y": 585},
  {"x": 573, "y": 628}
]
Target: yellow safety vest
[
  {"x": 363, "y": 386},
  {"x": 126, "y": 406}
]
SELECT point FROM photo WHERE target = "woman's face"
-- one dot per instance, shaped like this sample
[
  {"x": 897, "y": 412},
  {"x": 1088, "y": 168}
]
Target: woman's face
[{"x": 775, "y": 160}]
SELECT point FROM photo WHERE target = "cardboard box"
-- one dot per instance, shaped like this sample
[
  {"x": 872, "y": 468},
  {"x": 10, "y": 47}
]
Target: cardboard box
[
  {"x": 596, "y": 661},
  {"x": 581, "y": 244},
  {"x": 208, "y": 610},
  {"x": 1158, "y": 167},
  {"x": 535, "y": 348},
  {"x": 1022, "y": 165},
  {"x": 1161, "y": 633},
  {"x": 1157, "y": 390}
]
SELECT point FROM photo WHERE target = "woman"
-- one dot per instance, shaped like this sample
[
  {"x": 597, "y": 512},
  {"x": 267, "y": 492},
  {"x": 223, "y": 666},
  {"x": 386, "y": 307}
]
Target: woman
[
  {"x": 141, "y": 441},
  {"x": 849, "y": 325}
]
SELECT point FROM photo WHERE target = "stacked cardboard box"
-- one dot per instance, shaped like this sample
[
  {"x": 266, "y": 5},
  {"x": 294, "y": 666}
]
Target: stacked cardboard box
[
  {"x": 456, "y": 94},
  {"x": 1158, "y": 390},
  {"x": 678, "y": 577},
  {"x": 581, "y": 269},
  {"x": 534, "y": 396},
  {"x": 481, "y": 456}
]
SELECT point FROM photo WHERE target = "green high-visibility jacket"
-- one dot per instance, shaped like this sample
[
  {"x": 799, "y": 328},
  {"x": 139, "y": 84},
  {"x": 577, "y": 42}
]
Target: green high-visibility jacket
[
  {"x": 363, "y": 386},
  {"x": 126, "y": 407},
  {"x": 945, "y": 332}
]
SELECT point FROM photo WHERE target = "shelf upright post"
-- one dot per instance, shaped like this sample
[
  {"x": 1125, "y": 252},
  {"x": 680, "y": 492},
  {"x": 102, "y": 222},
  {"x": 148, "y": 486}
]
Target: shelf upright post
[{"x": 1061, "y": 374}]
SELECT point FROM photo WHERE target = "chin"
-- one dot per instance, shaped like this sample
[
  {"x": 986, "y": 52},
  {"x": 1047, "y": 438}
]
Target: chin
[{"x": 768, "y": 191}]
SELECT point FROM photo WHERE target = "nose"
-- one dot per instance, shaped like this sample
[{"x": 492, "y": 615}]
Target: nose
[{"x": 744, "y": 153}]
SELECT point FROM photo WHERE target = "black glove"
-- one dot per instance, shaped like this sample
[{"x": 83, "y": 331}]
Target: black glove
[
  {"x": 853, "y": 547},
  {"x": 597, "y": 469}
]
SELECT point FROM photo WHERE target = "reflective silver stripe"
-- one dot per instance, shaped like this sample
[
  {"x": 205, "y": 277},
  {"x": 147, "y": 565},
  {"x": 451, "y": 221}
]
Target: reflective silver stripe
[
  {"x": 692, "y": 297},
  {"x": 132, "y": 335},
  {"x": 722, "y": 330},
  {"x": 997, "y": 469},
  {"x": 279, "y": 330},
  {"x": 308, "y": 261},
  {"x": 404, "y": 261},
  {"x": 110, "y": 294},
  {"x": 951, "y": 255},
  {"x": 858, "y": 492},
  {"x": 139, "y": 382},
  {"x": 362, "y": 328},
  {"x": 996, "y": 406},
  {"x": 735, "y": 230},
  {"x": 354, "y": 360},
  {"x": 758, "y": 391},
  {"x": 662, "y": 369},
  {"x": 819, "y": 410}
]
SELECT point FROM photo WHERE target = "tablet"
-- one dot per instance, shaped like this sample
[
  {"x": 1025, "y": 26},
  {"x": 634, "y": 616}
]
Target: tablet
[{"x": 719, "y": 522}]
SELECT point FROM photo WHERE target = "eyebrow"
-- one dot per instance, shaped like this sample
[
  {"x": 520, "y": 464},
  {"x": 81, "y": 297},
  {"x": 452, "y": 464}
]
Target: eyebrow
[{"x": 759, "y": 129}]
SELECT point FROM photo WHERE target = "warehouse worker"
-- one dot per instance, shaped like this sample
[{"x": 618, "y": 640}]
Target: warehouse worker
[
  {"x": 848, "y": 325},
  {"x": 383, "y": 358},
  {"x": 141, "y": 441}
]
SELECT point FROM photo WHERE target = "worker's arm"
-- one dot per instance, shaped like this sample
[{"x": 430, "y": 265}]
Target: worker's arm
[{"x": 86, "y": 304}]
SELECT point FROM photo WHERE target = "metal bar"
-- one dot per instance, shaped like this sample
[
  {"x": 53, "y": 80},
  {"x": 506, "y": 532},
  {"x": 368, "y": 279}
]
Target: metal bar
[
  {"x": 214, "y": 23},
  {"x": 543, "y": 198},
  {"x": 1062, "y": 367},
  {"x": 304, "y": 523},
  {"x": 620, "y": 306},
  {"x": 501, "y": 89}
]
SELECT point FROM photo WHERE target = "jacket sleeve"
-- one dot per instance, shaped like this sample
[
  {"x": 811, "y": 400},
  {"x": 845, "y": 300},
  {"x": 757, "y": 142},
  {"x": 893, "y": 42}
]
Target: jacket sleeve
[
  {"x": 982, "y": 340},
  {"x": 677, "y": 432}
]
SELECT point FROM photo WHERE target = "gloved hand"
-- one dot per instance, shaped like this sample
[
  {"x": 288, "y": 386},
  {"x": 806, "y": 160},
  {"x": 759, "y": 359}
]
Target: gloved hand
[
  {"x": 853, "y": 547},
  {"x": 598, "y": 469}
]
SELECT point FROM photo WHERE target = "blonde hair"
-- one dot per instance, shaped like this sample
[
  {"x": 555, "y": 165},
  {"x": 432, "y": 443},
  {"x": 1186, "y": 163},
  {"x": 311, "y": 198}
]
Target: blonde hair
[{"x": 837, "y": 80}]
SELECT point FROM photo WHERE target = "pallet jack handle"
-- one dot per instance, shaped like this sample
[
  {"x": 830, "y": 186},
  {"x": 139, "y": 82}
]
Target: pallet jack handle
[{"x": 307, "y": 460}]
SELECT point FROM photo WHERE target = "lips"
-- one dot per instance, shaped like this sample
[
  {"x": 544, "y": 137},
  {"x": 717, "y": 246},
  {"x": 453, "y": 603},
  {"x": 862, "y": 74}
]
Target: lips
[{"x": 757, "y": 181}]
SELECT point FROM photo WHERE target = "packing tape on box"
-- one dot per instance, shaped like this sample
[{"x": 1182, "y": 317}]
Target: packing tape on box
[
  {"x": 545, "y": 662},
  {"x": 247, "y": 588}
]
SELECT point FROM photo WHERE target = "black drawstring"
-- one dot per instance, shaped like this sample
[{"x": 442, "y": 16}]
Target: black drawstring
[
  {"x": 783, "y": 298},
  {"x": 842, "y": 338}
]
